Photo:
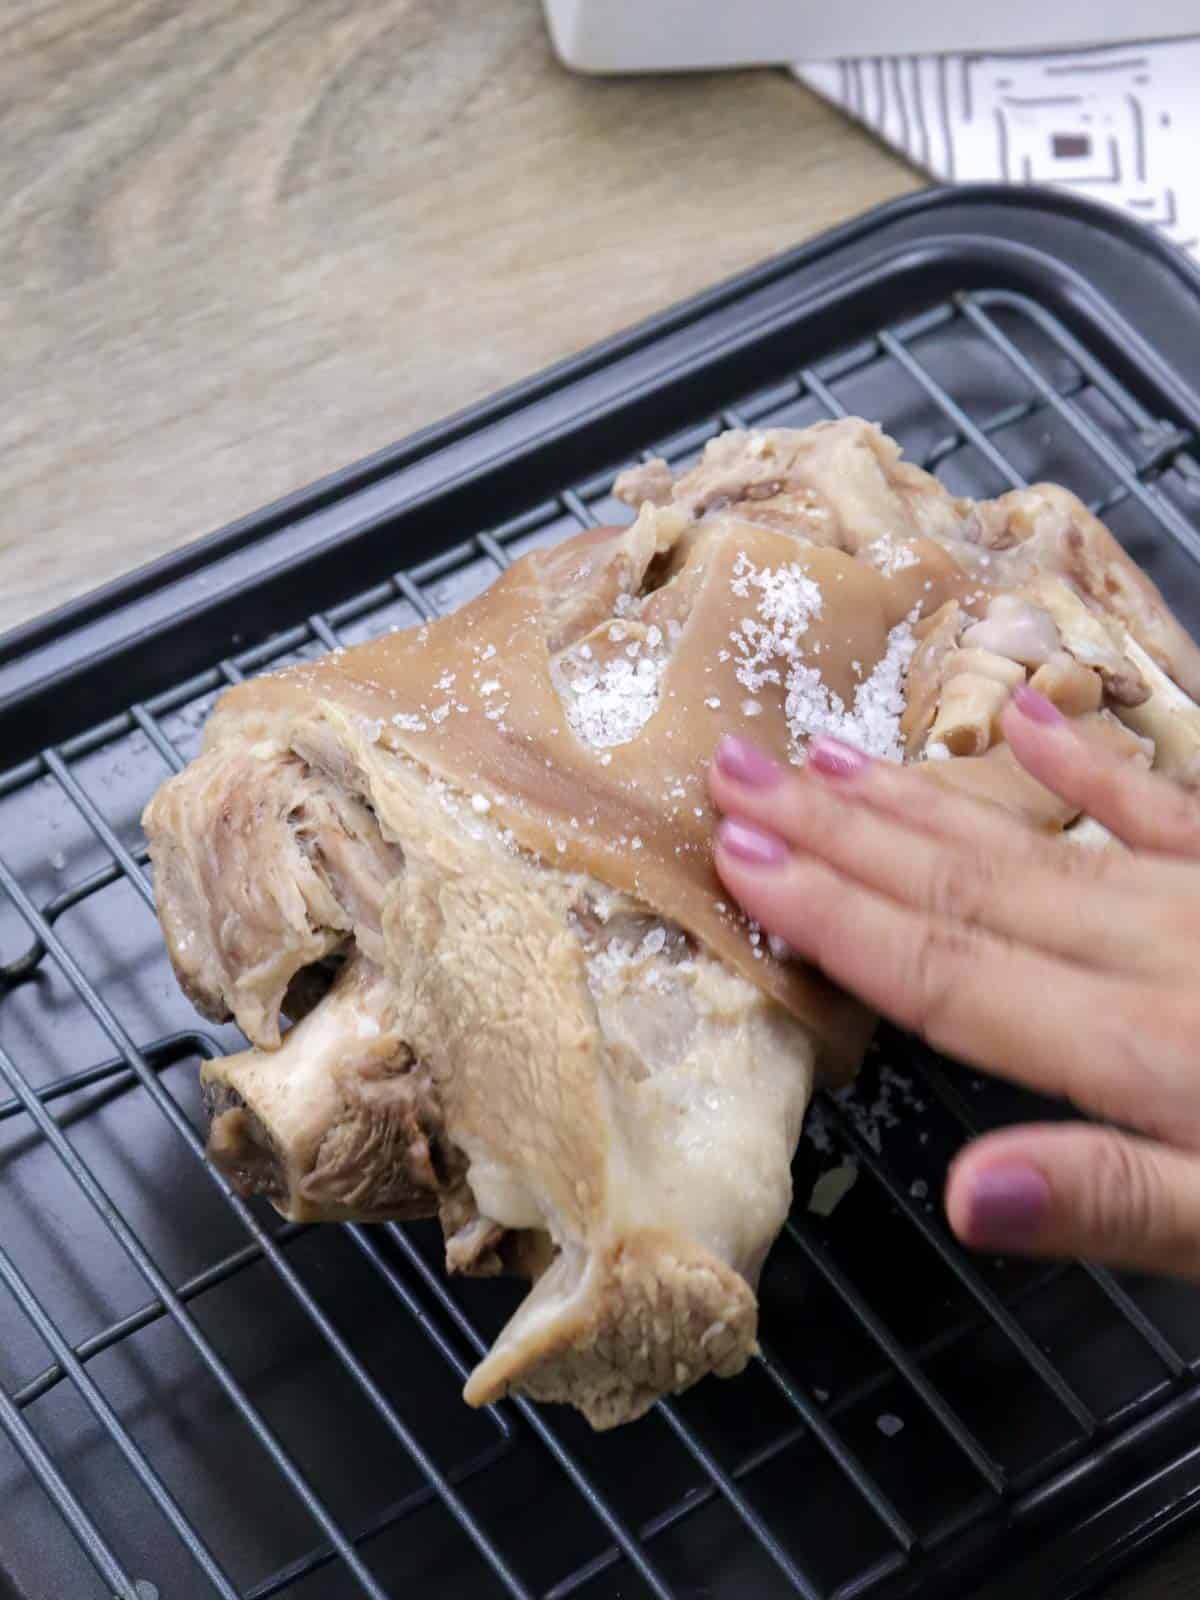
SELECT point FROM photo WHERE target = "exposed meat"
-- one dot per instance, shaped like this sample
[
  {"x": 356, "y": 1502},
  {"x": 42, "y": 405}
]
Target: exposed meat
[
  {"x": 341, "y": 1120},
  {"x": 472, "y": 863}
]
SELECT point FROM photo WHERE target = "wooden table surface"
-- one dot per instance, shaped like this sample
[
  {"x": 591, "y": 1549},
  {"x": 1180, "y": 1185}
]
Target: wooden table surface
[{"x": 244, "y": 242}]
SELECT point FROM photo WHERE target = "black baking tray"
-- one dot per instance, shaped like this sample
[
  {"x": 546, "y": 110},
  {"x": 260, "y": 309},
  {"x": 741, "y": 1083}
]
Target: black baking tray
[{"x": 196, "y": 1399}]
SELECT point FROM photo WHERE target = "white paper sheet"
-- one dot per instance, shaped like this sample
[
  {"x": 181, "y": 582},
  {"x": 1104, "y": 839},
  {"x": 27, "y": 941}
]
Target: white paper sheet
[{"x": 1118, "y": 123}]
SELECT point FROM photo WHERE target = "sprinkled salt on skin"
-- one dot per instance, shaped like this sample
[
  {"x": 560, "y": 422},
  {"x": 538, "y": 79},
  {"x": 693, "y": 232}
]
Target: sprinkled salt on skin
[
  {"x": 480, "y": 804},
  {"x": 890, "y": 557},
  {"x": 788, "y": 600},
  {"x": 490, "y": 687},
  {"x": 488, "y": 653},
  {"x": 873, "y": 725},
  {"x": 610, "y": 703},
  {"x": 713, "y": 703},
  {"x": 935, "y": 750}
]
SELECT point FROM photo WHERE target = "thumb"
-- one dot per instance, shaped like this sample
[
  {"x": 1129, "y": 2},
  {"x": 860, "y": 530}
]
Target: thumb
[{"x": 1074, "y": 1190}]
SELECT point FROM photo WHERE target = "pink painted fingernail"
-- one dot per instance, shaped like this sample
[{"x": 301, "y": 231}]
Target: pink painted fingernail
[
  {"x": 750, "y": 844},
  {"x": 1035, "y": 706},
  {"x": 1007, "y": 1207},
  {"x": 833, "y": 759},
  {"x": 746, "y": 763}
]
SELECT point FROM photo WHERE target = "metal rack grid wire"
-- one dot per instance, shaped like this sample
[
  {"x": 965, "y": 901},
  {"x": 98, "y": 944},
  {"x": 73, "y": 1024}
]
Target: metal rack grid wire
[{"x": 1137, "y": 457}]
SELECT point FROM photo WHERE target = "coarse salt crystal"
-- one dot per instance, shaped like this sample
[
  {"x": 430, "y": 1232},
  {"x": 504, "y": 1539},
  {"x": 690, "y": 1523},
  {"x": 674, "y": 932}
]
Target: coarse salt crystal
[
  {"x": 890, "y": 557},
  {"x": 480, "y": 804},
  {"x": 788, "y": 600},
  {"x": 873, "y": 725},
  {"x": 935, "y": 750},
  {"x": 713, "y": 703},
  {"x": 490, "y": 687},
  {"x": 751, "y": 708},
  {"x": 612, "y": 701}
]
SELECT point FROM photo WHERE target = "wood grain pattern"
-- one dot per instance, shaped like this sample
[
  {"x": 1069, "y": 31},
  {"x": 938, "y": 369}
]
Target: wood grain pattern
[{"x": 242, "y": 244}]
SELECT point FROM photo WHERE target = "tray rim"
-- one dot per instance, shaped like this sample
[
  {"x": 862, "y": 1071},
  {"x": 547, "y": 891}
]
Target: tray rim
[{"x": 233, "y": 535}]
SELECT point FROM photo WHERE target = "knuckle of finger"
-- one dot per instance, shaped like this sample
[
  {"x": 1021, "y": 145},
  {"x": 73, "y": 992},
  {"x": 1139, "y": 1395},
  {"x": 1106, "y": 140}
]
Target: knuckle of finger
[
  {"x": 936, "y": 960},
  {"x": 1127, "y": 1207},
  {"x": 960, "y": 886},
  {"x": 1081, "y": 863}
]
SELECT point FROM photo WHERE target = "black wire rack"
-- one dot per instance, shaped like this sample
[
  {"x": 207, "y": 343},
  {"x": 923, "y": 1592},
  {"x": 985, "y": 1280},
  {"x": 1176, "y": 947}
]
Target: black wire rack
[{"x": 212, "y": 1402}]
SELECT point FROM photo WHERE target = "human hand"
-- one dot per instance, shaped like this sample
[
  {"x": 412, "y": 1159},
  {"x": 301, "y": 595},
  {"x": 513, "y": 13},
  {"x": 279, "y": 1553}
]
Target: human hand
[{"x": 1071, "y": 970}]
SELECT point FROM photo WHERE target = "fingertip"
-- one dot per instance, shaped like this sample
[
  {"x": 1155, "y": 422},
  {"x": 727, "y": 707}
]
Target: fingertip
[
  {"x": 1033, "y": 707},
  {"x": 746, "y": 763},
  {"x": 834, "y": 758},
  {"x": 999, "y": 1204},
  {"x": 750, "y": 845}
]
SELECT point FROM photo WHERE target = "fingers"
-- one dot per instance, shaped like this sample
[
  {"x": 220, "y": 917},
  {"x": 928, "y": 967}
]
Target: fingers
[
  {"x": 1013, "y": 886},
  {"x": 1031, "y": 1017},
  {"x": 1146, "y": 811},
  {"x": 884, "y": 786},
  {"x": 1079, "y": 1191}
]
